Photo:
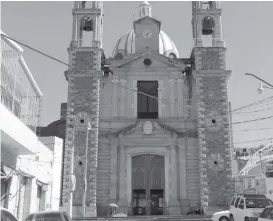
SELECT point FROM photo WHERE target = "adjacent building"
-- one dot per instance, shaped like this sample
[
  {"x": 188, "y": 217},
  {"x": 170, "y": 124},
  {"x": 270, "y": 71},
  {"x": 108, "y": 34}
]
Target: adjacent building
[{"x": 30, "y": 166}]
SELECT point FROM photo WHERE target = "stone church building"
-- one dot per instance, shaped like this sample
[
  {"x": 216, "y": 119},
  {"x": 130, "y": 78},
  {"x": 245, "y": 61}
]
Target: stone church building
[{"x": 146, "y": 129}]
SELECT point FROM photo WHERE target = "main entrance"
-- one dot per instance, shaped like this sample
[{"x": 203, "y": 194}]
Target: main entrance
[{"x": 148, "y": 182}]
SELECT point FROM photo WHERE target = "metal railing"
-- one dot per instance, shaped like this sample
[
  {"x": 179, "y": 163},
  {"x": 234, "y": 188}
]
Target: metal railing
[
  {"x": 19, "y": 92},
  {"x": 209, "y": 42}
]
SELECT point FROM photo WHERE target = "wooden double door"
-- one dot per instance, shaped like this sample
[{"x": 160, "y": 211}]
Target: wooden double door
[{"x": 148, "y": 182}]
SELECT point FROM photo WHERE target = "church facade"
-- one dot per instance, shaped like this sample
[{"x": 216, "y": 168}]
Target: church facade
[{"x": 146, "y": 129}]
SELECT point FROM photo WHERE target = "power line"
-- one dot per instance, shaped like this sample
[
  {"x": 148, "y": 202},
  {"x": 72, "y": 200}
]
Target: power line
[
  {"x": 252, "y": 104},
  {"x": 250, "y": 141},
  {"x": 253, "y": 129},
  {"x": 256, "y": 111},
  {"x": 246, "y": 121},
  {"x": 131, "y": 89}
]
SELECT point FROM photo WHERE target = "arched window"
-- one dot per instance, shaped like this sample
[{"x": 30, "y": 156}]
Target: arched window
[{"x": 87, "y": 26}]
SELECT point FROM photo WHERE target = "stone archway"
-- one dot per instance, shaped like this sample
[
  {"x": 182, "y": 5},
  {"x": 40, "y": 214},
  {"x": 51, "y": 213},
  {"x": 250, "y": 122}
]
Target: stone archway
[{"x": 148, "y": 184}]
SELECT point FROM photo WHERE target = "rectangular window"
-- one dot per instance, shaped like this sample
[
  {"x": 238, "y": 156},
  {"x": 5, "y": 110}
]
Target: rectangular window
[
  {"x": 39, "y": 196},
  {"x": 249, "y": 183},
  {"x": 147, "y": 107}
]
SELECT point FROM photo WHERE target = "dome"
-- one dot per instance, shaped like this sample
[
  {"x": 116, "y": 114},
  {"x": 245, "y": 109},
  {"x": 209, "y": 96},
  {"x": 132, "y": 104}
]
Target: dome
[{"x": 126, "y": 45}]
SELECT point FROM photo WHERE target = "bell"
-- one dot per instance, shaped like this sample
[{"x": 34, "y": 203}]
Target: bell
[
  {"x": 208, "y": 25},
  {"x": 87, "y": 24}
]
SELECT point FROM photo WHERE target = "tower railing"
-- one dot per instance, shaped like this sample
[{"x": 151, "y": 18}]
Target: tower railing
[{"x": 209, "y": 42}]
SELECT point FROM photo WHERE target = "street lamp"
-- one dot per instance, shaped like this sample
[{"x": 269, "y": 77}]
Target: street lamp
[{"x": 261, "y": 86}]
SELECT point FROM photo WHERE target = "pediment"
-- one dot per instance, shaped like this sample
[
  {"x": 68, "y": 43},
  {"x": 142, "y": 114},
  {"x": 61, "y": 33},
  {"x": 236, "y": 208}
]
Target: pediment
[
  {"x": 146, "y": 129},
  {"x": 158, "y": 61}
]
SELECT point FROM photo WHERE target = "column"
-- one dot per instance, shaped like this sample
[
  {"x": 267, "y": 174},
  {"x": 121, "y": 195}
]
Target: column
[
  {"x": 174, "y": 207},
  {"x": 160, "y": 96},
  {"x": 134, "y": 105},
  {"x": 172, "y": 100},
  {"x": 180, "y": 99},
  {"x": 114, "y": 171},
  {"x": 184, "y": 205},
  {"x": 122, "y": 202},
  {"x": 123, "y": 98},
  {"x": 114, "y": 97}
]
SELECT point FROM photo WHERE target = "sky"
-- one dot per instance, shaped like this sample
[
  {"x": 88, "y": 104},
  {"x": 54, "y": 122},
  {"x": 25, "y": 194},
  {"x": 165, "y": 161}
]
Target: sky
[{"x": 247, "y": 29}]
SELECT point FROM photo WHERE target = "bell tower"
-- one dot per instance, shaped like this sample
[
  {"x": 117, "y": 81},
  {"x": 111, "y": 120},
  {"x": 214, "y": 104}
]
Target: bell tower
[
  {"x": 210, "y": 76},
  {"x": 82, "y": 120},
  {"x": 206, "y": 23}
]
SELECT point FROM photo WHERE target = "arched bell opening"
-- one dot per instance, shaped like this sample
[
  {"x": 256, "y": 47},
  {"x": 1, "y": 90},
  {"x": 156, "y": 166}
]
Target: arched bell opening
[
  {"x": 87, "y": 31},
  {"x": 208, "y": 25}
]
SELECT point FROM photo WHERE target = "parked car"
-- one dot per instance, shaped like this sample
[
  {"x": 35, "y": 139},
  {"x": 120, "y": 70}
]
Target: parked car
[
  {"x": 221, "y": 216},
  {"x": 49, "y": 216},
  {"x": 267, "y": 214},
  {"x": 246, "y": 207},
  {"x": 7, "y": 215}
]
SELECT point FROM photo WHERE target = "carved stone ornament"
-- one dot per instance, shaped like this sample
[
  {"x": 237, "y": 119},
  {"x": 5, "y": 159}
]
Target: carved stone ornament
[
  {"x": 147, "y": 127},
  {"x": 82, "y": 119},
  {"x": 216, "y": 162},
  {"x": 214, "y": 121}
]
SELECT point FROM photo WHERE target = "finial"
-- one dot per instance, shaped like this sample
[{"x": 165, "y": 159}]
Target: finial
[{"x": 145, "y": 9}]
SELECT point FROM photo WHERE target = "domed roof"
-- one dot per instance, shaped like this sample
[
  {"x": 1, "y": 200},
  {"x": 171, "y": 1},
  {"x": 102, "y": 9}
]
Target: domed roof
[{"x": 126, "y": 45}]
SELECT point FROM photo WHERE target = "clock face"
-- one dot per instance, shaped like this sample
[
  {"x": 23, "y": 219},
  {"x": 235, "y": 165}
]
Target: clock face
[{"x": 147, "y": 34}]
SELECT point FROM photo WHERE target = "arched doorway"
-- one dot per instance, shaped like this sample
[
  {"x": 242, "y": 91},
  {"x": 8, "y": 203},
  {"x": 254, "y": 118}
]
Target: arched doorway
[{"x": 148, "y": 181}]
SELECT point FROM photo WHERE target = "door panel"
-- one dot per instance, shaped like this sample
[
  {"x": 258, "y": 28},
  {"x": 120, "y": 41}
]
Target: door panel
[
  {"x": 148, "y": 174},
  {"x": 156, "y": 202}
]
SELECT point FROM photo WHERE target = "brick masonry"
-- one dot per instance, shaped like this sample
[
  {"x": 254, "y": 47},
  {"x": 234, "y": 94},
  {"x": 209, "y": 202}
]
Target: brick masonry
[{"x": 213, "y": 127}]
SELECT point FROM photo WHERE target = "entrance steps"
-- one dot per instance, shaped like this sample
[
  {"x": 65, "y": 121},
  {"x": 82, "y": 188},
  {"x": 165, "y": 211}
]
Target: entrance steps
[{"x": 149, "y": 218}]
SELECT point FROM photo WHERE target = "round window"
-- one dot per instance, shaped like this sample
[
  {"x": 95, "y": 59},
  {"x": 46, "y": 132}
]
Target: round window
[{"x": 147, "y": 61}]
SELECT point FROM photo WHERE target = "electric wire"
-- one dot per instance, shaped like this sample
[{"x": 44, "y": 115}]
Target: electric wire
[
  {"x": 131, "y": 89},
  {"x": 243, "y": 107},
  {"x": 237, "y": 109}
]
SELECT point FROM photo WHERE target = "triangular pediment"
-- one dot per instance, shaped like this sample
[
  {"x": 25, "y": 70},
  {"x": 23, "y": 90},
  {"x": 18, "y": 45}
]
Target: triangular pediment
[
  {"x": 158, "y": 61},
  {"x": 146, "y": 129}
]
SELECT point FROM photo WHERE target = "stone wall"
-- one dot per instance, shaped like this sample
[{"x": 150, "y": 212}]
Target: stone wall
[
  {"x": 81, "y": 145},
  {"x": 213, "y": 127}
]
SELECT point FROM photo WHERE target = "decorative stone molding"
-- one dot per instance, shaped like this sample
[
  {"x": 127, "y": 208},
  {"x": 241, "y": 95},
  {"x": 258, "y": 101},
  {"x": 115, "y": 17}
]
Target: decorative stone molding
[
  {"x": 216, "y": 162},
  {"x": 84, "y": 60},
  {"x": 162, "y": 151},
  {"x": 213, "y": 121}
]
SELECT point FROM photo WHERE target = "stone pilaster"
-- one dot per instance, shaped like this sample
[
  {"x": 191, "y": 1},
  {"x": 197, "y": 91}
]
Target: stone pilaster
[
  {"x": 184, "y": 204},
  {"x": 122, "y": 202},
  {"x": 160, "y": 96},
  {"x": 115, "y": 97},
  {"x": 123, "y": 100},
  {"x": 213, "y": 127},
  {"x": 114, "y": 171},
  {"x": 172, "y": 97},
  {"x": 180, "y": 98},
  {"x": 81, "y": 146},
  {"x": 174, "y": 207}
]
